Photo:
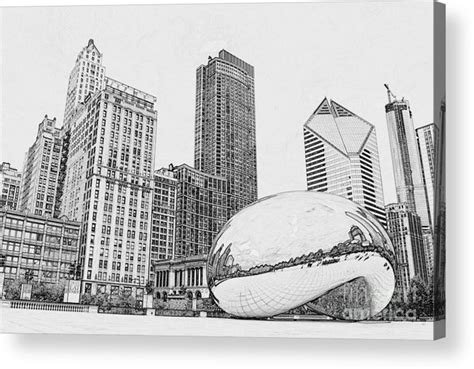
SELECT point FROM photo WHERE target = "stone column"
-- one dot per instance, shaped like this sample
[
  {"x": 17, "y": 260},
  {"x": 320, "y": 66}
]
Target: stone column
[
  {"x": 172, "y": 276},
  {"x": 204, "y": 277}
]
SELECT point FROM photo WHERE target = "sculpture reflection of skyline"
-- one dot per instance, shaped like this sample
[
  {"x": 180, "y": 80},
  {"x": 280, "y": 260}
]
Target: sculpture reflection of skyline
[{"x": 292, "y": 242}]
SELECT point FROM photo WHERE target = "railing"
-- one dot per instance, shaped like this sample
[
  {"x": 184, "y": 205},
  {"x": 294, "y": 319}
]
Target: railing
[
  {"x": 48, "y": 306},
  {"x": 121, "y": 310},
  {"x": 214, "y": 313},
  {"x": 176, "y": 312},
  {"x": 191, "y": 313}
]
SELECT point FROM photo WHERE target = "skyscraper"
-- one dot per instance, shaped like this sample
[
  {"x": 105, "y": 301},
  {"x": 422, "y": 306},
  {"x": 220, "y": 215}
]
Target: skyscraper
[
  {"x": 201, "y": 210},
  {"x": 342, "y": 157},
  {"x": 225, "y": 126},
  {"x": 87, "y": 76},
  {"x": 108, "y": 185},
  {"x": 404, "y": 227},
  {"x": 10, "y": 182},
  {"x": 427, "y": 139},
  {"x": 428, "y": 147},
  {"x": 406, "y": 159},
  {"x": 41, "y": 171}
]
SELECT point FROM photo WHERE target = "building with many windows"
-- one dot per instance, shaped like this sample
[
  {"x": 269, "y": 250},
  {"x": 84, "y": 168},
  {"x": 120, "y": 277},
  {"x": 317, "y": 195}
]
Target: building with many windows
[
  {"x": 46, "y": 246},
  {"x": 225, "y": 142},
  {"x": 413, "y": 178},
  {"x": 108, "y": 185},
  {"x": 428, "y": 145},
  {"x": 405, "y": 230},
  {"x": 41, "y": 172},
  {"x": 10, "y": 182},
  {"x": 87, "y": 77},
  {"x": 202, "y": 209},
  {"x": 406, "y": 161},
  {"x": 163, "y": 217},
  {"x": 342, "y": 157}
]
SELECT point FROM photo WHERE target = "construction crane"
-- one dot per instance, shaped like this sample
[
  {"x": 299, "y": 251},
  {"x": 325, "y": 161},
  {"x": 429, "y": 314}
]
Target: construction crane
[{"x": 390, "y": 94}]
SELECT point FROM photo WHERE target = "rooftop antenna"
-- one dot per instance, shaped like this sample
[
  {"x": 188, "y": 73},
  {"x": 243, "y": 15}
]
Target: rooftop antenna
[{"x": 389, "y": 94}]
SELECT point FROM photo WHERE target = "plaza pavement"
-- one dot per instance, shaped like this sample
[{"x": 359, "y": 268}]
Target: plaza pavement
[{"x": 36, "y": 321}]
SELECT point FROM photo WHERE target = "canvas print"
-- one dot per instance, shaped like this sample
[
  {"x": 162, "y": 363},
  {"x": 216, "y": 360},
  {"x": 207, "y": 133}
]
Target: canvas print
[{"x": 265, "y": 170}]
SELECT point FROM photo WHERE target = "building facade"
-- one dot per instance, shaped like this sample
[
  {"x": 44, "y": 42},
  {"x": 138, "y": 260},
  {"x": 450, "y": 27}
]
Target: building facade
[
  {"x": 10, "y": 183},
  {"x": 108, "y": 185},
  {"x": 405, "y": 230},
  {"x": 342, "y": 157},
  {"x": 202, "y": 209},
  {"x": 225, "y": 143},
  {"x": 41, "y": 172},
  {"x": 181, "y": 277},
  {"x": 87, "y": 77},
  {"x": 427, "y": 138},
  {"x": 46, "y": 246},
  {"x": 407, "y": 168},
  {"x": 163, "y": 217}
]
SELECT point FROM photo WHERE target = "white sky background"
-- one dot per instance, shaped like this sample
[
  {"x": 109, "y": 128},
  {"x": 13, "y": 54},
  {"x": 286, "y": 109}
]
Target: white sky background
[{"x": 301, "y": 53}]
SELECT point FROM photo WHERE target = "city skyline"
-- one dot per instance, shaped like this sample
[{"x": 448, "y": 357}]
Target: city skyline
[
  {"x": 193, "y": 161},
  {"x": 270, "y": 112}
]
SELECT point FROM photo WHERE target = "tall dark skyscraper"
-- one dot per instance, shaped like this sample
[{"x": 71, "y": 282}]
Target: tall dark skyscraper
[{"x": 225, "y": 126}]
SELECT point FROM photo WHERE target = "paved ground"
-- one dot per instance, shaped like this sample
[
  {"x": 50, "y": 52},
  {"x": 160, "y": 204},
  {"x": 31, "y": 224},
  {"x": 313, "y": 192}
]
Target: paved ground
[{"x": 34, "y": 321}]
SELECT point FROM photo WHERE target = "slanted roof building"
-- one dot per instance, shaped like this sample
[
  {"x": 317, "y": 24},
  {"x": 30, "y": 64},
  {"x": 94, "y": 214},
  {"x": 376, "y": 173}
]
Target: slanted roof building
[{"x": 342, "y": 157}]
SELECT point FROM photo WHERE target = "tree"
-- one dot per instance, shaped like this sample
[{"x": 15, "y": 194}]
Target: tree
[
  {"x": 48, "y": 292},
  {"x": 159, "y": 304},
  {"x": 123, "y": 300},
  {"x": 420, "y": 297},
  {"x": 102, "y": 300},
  {"x": 12, "y": 289},
  {"x": 87, "y": 299}
]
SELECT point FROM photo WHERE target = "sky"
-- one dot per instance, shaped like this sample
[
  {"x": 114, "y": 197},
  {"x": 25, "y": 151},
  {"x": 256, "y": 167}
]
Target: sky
[{"x": 301, "y": 53}]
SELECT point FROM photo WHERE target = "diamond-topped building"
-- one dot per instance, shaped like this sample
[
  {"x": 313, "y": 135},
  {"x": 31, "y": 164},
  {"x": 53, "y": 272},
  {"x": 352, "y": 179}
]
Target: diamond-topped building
[{"x": 341, "y": 157}]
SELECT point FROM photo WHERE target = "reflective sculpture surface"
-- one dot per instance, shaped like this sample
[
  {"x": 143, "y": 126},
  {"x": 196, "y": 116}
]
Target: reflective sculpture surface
[{"x": 289, "y": 249}]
